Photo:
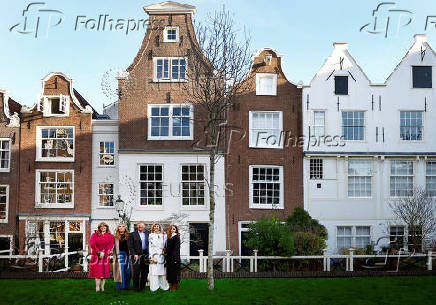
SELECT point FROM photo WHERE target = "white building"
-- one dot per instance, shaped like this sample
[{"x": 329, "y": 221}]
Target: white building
[{"x": 369, "y": 144}]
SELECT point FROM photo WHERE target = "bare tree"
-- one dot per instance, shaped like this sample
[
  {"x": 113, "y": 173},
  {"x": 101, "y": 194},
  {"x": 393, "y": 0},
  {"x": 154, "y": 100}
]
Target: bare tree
[
  {"x": 217, "y": 67},
  {"x": 418, "y": 213}
]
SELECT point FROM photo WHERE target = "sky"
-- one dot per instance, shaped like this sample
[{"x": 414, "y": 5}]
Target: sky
[{"x": 302, "y": 31}]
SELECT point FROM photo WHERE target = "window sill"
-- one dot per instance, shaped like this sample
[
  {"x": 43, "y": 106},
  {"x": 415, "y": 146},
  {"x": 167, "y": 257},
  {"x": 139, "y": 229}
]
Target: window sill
[
  {"x": 266, "y": 147},
  {"x": 266, "y": 207},
  {"x": 170, "y": 139},
  {"x": 57, "y": 206},
  {"x": 105, "y": 207},
  {"x": 4, "y": 221},
  {"x": 5, "y": 170},
  {"x": 106, "y": 166},
  {"x": 150, "y": 207},
  {"x": 155, "y": 80},
  {"x": 194, "y": 207},
  {"x": 54, "y": 159}
]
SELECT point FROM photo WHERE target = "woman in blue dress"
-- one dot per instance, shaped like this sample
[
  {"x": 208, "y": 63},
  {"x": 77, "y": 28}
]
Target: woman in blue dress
[{"x": 122, "y": 272}]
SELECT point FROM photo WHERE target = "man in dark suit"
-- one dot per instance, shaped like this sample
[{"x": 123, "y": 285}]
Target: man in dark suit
[{"x": 138, "y": 248}]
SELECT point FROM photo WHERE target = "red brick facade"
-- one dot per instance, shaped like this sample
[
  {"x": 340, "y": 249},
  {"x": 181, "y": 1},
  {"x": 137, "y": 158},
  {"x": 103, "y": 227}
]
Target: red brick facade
[
  {"x": 10, "y": 178},
  {"x": 241, "y": 156},
  {"x": 55, "y": 85}
]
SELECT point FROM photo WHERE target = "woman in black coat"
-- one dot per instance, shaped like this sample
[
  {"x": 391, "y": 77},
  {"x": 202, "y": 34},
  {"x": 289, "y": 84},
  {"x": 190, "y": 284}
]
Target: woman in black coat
[{"x": 172, "y": 252}]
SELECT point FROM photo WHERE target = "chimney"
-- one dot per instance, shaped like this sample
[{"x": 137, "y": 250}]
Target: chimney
[
  {"x": 340, "y": 46},
  {"x": 420, "y": 38}
]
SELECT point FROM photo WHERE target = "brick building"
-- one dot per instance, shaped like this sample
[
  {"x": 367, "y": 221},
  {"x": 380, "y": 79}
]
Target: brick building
[
  {"x": 9, "y": 175},
  {"x": 55, "y": 169},
  {"x": 158, "y": 129},
  {"x": 264, "y": 164}
]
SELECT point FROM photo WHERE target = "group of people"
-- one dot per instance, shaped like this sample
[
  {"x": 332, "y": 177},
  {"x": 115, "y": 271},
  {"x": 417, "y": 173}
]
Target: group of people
[{"x": 142, "y": 255}]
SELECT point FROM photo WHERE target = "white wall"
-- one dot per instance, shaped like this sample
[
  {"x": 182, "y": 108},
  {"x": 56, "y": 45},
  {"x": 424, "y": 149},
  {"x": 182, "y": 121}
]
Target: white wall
[
  {"x": 330, "y": 203},
  {"x": 103, "y": 131},
  {"x": 172, "y": 201}
]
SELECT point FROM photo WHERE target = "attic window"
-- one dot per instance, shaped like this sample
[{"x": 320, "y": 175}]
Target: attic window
[
  {"x": 422, "y": 76},
  {"x": 171, "y": 34},
  {"x": 54, "y": 105},
  {"x": 266, "y": 84},
  {"x": 268, "y": 59},
  {"x": 341, "y": 85}
]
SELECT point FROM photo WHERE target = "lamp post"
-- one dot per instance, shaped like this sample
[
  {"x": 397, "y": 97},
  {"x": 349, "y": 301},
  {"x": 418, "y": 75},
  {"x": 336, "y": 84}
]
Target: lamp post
[{"x": 120, "y": 207}]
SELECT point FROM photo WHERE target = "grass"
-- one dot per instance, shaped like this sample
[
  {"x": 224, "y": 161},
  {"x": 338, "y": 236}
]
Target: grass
[{"x": 355, "y": 291}]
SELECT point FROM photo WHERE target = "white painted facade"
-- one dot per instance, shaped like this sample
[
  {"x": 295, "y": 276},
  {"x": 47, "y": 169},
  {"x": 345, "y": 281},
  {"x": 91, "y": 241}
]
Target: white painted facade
[
  {"x": 329, "y": 198},
  {"x": 104, "y": 131},
  {"x": 129, "y": 165}
]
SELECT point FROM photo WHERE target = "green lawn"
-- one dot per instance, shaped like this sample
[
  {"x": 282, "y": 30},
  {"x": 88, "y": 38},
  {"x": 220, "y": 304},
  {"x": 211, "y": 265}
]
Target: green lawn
[{"x": 354, "y": 291}]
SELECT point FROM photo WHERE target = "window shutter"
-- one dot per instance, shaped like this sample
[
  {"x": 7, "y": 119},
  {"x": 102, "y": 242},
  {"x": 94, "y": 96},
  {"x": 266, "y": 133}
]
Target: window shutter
[
  {"x": 42, "y": 102},
  {"x": 63, "y": 104}
]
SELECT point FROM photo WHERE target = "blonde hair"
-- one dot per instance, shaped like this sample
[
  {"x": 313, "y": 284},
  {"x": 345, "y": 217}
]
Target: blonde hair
[{"x": 120, "y": 236}]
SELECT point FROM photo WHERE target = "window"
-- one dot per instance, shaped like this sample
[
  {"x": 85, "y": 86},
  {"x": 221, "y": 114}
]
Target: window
[
  {"x": 5, "y": 154},
  {"x": 6, "y": 246},
  {"x": 34, "y": 236},
  {"x": 54, "y": 105},
  {"x": 54, "y": 188},
  {"x": 316, "y": 169},
  {"x": 318, "y": 123},
  {"x": 266, "y": 187},
  {"x": 193, "y": 185},
  {"x": 363, "y": 237},
  {"x": 401, "y": 180},
  {"x": 266, "y": 129},
  {"x": 106, "y": 194},
  {"x": 55, "y": 143},
  {"x": 171, "y": 34},
  {"x": 356, "y": 237},
  {"x": 414, "y": 238},
  {"x": 4, "y": 203},
  {"x": 359, "y": 178},
  {"x": 411, "y": 125},
  {"x": 353, "y": 125},
  {"x": 170, "y": 122},
  {"x": 341, "y": 85},
  {"x": 430, "y": 178},
  {"x": 170, "y": 69},
  {"x": 107, "y": 153},
  {"x": 150, "y": 185},
  {"x": 396, "y": 237},
  {"x": 266, "y": 84},
  {"x": 57, "y": 237},
  {"x": 344, "y": 237},
  {"x": 422, "y": 76}
]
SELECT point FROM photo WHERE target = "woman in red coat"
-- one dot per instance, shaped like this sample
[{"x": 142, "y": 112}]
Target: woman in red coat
[{"x": 102, "y": 242}]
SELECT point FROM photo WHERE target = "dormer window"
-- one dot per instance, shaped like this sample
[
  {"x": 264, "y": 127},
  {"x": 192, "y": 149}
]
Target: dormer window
[
  {"x": 341, "y": 85},
  {"x": 54, "y": 105},
  {"x": 171, "y": 34},
  {"x": 422, "y": 76},
  {"x": 266, "y": 84}
]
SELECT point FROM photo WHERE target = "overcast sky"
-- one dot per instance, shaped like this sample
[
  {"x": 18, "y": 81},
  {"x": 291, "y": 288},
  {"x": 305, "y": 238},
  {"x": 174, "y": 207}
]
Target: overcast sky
[{"x": 302, "y": 31}]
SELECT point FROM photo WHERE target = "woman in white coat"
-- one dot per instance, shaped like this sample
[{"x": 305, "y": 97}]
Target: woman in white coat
[{"x": 157, "y": 273}]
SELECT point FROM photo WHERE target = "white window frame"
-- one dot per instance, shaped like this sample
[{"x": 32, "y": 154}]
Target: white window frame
[
  {"x": 267, "y": 206},
  {"x": 169, "y": 79},
  {"x": 165, "y": 36},
  {"x": 170, "y": 123},
  {"x": 259, "y": 139},
  {"x": 151, "y": 206},
  {"x": 390, "y": 175},
  {"x": 45, "y": 107},
  {"x": 8, "y": 169},
  {"x": 206, "y": 190},
  {"x": 100, "y": 154},
  {"x": 364, "y": 126},
  {"x": 353, "y": 234},
  {"x": 242, "y": 229},
  {"x": 6, "y": 220},
  {"x": 259, "y": 90},
  {"x": 355, "y": 175},
  {"x": 39, "y": 157},
  {"x": 38, "y": 204},
  {"x": 432, "y": 175},
  {"x": 99, "y": 195},
  {"x": 11, "y": 244},
  {"x": 315, "y": 126},
  {"x": 422, "y": 126}
]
